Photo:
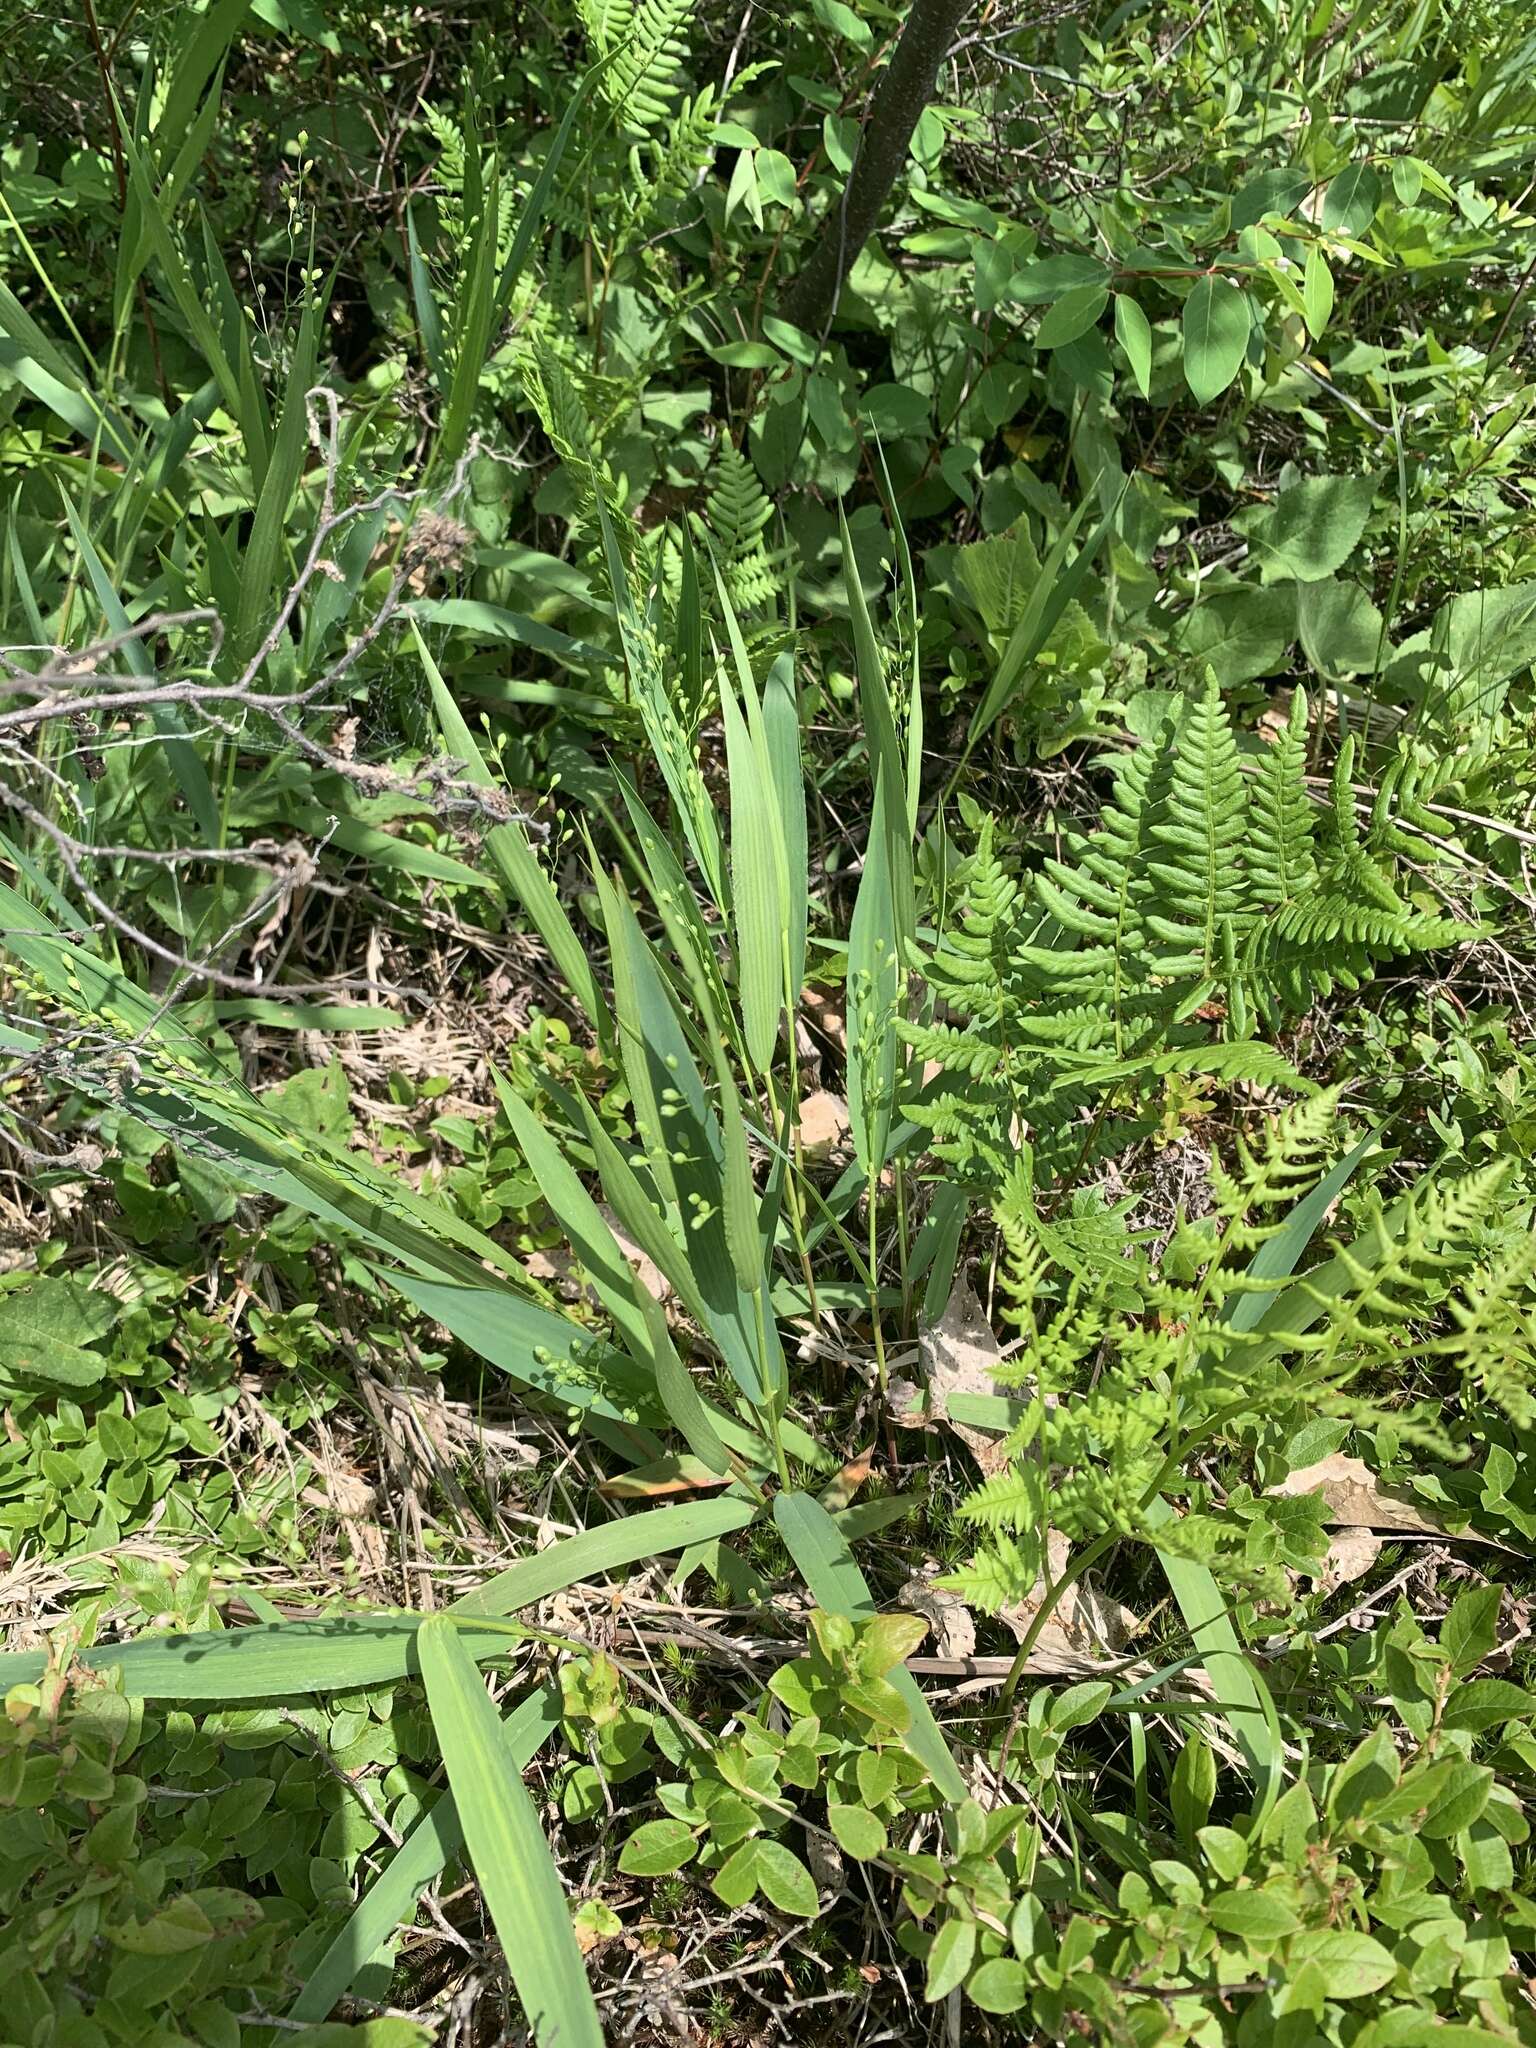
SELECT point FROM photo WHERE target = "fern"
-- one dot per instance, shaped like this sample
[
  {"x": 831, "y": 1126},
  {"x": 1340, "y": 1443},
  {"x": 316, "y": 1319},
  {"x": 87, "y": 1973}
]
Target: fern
[
  {"x": 646, "y": 41},
  {"x": 1206, "y": 900},
  {"x": 1134, "y": 1373},
  {"x": 737, "y": 512}
]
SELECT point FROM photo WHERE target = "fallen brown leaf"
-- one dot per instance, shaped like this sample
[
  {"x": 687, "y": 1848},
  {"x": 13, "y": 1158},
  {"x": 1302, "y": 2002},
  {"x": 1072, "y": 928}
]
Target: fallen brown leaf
[
  {"x": 679, "y": 1474},
  {"x": 1351, "y": 1553},
  {"x": 839, "y": 1491},
  {"x": 1354, "y": 1497},
  {"x": 1083, "y": 1632},
  {"x": 823, "y": 1123},
  {"x": 954, "y": 1629},
  {"x": 958, "y": 1353}
]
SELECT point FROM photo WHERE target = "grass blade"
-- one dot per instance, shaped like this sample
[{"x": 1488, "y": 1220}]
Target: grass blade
[
  {"x": 268, "y": 1661},
  {"x": 259, "y": 561},
  {"x": 1248, "y": 1710},
  {"x": 186, "y": 763},
  {"x": 781, "y": 731},
  {"x": 391, "y": 1899},
  {"x": 625, "y": 1541},
  {"x": 758, "y": 887},
  {"x": 506, "y": 1845},
  {"x": 686, "y": 1150},
  {"x": 641, "y": 1325},
  {"x": 428, "y": 320},
  {"x": 476, "y": 295},
  {"x": 515, "y": 860}
]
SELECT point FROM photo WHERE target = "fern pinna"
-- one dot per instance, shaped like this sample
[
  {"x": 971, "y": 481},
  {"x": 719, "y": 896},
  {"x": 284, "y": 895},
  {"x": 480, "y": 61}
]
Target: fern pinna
[{"x": 1207, "y": 900}]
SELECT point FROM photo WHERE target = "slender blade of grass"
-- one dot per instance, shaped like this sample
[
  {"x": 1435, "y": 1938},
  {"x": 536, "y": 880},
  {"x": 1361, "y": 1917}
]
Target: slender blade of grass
[
  {"x": 758, "y": 890},
  {"x": 1248, "y": 1709},
  {"x": 428, "y": 320},
  {"x": 1059, "y": 583},
  {"x": 515, "y": 861},
  {"x": 641, "y": 1325},
  {"x": 186, "y": 762},
  {"x": 261, "y": 557},
  {"x": 655, "y": 1533},
  {"x": 781, "y": 730},
  {"x": 391, "y": 1898},
  {"x": 684, "y": 1145},
  {"x": 506, "y": 1844}
]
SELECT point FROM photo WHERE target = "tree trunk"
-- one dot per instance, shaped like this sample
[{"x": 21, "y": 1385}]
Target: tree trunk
[{"x": 905, "y": 88}]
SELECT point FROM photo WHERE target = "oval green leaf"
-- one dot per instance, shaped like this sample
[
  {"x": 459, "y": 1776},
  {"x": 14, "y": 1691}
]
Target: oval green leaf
[{"x": 1215, "y": 337}]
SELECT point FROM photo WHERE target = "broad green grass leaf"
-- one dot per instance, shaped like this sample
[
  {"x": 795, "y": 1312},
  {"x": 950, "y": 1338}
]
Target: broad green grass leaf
[
  {"x": 580, "y": 1218},
  {"x": 656, "y": 698},
  {"x": 1247, "y": 1707},
  {"x": 429, "y": 323},
  {"x": 474, "y": 301},
  {"x": 188, "y": 299},
  {"x": 268, "y": 1661},
  {"x": 492, "y": 622},
  {"x": 687, "y": 1151},
  {"x": 884, "y": 912},
  {"x": 781, "y": 729},
  {"x": 385, "y": 849},
  {"x": 627, "y": 1539},
  {"x": 176, "y": 119},
  {"x": 35, "y": 362},
  {"x": 199, "y": 54},
  {"x": 686, "y": 1409},
  {"x": 391, "y": 1898},
  {"x": 1216, "y": 325},
  {"x": 275, "y": 1016},
  {"x": 836, "y": 1584},
  {"x": 759, "y": 888},
  {"x": 182, "y": 1091},
  {"x": 873, "y": 996},
  {"x": 661, "y": 872},
  {"x": 506, "y": 1844},
  {"x": 550, "y": 1353},
  {"x": 639, "y": 1320}
]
